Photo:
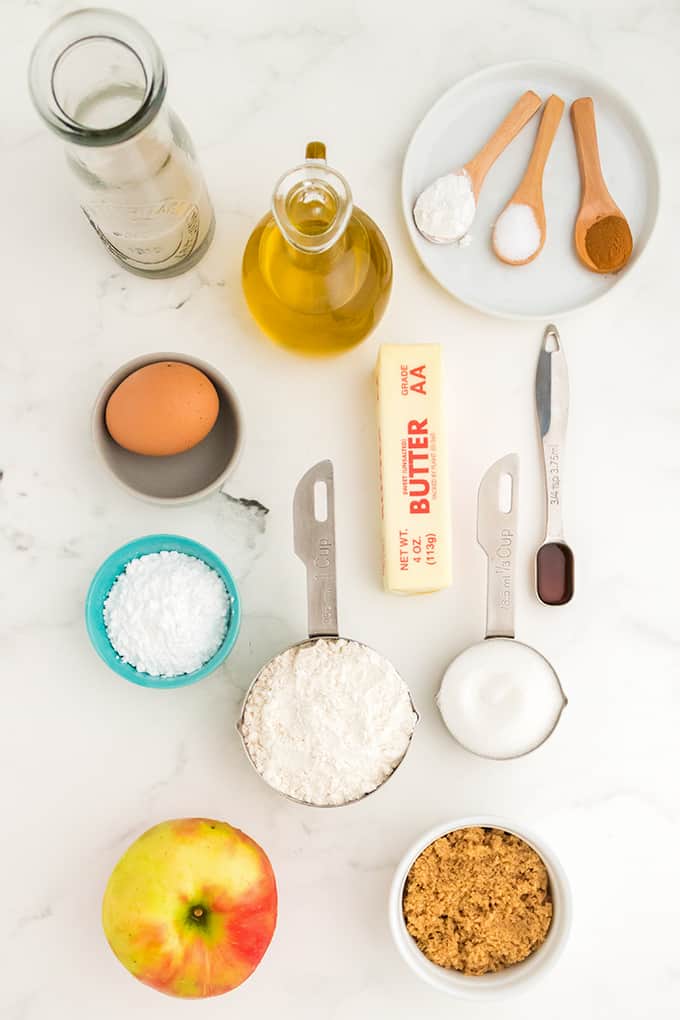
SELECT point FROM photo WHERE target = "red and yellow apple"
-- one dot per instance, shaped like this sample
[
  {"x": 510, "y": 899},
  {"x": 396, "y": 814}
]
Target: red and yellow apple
[{"x": 190, "y": 908}]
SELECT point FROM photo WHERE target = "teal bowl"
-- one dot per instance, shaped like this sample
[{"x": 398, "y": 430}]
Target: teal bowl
[{"x": 103, "y": 581}]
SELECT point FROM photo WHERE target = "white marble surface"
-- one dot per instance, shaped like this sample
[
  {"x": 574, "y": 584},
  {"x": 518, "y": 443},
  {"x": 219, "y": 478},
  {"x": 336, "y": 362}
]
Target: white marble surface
[{"x": 88, "y": 761}]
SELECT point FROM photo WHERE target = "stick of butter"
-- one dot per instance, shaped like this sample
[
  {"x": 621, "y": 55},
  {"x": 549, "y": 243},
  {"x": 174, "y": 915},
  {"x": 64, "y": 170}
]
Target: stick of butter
[{"x": 414, "y": 475}]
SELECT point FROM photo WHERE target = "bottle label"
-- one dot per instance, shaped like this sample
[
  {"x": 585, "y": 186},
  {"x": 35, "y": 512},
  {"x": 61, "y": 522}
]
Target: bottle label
[{"x": 153, "y": 236}]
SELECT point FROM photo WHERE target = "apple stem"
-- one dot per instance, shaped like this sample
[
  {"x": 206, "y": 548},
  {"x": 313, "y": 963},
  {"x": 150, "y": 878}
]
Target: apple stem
[{"x": 198, "y": 911}]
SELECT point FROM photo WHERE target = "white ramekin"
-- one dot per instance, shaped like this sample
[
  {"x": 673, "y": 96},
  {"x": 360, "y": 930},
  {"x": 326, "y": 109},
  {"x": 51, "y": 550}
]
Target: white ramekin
[{"x": 520, "y": 976}]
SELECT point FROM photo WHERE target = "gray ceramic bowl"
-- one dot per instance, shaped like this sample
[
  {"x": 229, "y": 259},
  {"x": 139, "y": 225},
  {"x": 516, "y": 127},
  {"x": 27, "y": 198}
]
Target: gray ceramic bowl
[{"x": 184, "y": 477}]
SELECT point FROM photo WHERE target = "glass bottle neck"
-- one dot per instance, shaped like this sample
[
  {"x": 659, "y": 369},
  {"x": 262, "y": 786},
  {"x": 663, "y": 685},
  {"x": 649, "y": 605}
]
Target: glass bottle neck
[
  {"x": 97, "y": 78},
  {"x": 312, "y": 204}
]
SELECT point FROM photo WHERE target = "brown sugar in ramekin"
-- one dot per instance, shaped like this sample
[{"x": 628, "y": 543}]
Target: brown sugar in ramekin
[{"x": 478, "y": 900}]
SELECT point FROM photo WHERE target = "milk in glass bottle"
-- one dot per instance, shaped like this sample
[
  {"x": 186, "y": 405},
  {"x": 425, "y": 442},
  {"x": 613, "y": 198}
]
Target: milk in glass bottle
[{"x": 98, "y": 80}]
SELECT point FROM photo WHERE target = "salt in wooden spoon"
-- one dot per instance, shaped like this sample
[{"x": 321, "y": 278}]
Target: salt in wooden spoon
[
  {"x": 596, "y": 202},
  {"x": 444, "y": 211},
  {"x": 526, "y": 204}
]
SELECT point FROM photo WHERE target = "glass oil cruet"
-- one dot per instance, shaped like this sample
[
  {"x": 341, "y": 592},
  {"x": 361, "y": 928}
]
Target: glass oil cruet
[
  {"x": 98, "y": 80},
  {"x": 317, "y": 271}
]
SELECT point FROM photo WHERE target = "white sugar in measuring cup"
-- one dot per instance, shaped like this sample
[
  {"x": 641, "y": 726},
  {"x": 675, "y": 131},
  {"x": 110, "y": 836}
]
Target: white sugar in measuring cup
[
  {"x": 314, "y": 537},
  {"x": 500, "y": 698}
]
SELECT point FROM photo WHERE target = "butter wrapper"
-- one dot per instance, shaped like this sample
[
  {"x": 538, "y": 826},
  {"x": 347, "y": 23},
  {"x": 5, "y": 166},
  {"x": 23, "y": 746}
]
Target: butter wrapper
[{"x": 414, "y": 470}]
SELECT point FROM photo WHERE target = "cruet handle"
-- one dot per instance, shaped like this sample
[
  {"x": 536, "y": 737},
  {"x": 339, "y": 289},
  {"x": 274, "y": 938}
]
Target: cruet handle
[{"x": 315, "y": 150}]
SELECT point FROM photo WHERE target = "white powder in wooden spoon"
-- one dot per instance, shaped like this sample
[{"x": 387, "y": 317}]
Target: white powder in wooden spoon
[
  {"x": 445, "y": 210},
  {"x": 517, "y": 235}
]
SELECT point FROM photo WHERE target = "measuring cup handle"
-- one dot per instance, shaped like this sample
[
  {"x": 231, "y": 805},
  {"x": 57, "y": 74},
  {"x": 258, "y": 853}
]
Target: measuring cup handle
[
  {"x": 497, "y": 535},
  {"x": 314, "y": 535}
]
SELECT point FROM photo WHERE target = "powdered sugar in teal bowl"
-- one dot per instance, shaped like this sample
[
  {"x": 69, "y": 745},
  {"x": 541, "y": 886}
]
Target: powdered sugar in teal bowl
[{"x": 163, "y": 611}]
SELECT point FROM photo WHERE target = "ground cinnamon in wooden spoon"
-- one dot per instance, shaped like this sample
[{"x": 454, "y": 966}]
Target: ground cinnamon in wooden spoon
[
  {"x": 609, "y": 243},
  {"x": 602, "y": 236}
]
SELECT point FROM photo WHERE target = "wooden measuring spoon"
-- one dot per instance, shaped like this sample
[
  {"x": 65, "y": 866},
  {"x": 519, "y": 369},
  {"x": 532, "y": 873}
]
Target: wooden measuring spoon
[
  {"x": 596, "y": 202},
  {"x": 476, "y": 169},
  {"x": 521, "y": 113},
  {"x": 530, "y": 191}
]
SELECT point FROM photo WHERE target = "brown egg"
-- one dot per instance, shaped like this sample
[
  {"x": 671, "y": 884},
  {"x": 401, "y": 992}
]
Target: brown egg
[{"x": 162, "y": 409}]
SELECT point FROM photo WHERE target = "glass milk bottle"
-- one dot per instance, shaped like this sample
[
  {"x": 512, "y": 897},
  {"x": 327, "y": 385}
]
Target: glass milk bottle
[
  {"x": 98, "y": 80},
  {"x": 317, "y": 271}
]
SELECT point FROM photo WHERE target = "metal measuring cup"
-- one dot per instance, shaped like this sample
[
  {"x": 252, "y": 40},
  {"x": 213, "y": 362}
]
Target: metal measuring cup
[
  {"x": 497, "y": 513},
  {"x": 314, "y": 542}
]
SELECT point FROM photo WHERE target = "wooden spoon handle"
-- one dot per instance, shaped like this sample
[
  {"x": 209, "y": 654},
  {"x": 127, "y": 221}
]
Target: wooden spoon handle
[
  {"x": 550, "y": 121},
  {"x": 585, "y": 136},
  {"x": 521, "y": 113}
]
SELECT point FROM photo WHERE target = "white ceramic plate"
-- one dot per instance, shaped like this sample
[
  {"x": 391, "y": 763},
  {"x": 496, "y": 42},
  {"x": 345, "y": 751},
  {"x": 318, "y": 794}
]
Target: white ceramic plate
[{"x": 454, "y": 130}]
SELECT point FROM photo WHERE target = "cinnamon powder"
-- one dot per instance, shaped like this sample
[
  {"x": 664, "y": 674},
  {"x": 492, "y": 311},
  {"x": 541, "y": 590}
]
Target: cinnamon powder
[
  {"x": 609, "y": 243},
  {"x": 478, "y": 900}
]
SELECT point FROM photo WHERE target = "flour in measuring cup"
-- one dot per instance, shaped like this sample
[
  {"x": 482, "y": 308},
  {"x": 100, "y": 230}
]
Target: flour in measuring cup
[{"x": 328, "y": 722}]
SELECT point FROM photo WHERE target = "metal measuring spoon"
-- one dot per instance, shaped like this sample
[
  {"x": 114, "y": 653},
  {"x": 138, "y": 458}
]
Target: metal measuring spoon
[
  {"x": 314, "y": 540},
  {"x": 554, "y": 560},
  {"x": 441, "y": 229},
  {"x": 478, "y": 699}
]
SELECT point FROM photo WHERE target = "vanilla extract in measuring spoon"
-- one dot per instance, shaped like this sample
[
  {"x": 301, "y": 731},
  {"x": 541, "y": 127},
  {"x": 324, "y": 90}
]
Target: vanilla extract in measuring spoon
[
  {"x": 554, "y": 560},
  {"x": 500, "y": 698}
]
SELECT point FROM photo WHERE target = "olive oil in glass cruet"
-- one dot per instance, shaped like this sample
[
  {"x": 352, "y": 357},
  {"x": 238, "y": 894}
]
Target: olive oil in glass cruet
[{"x": 317, "y": 271}]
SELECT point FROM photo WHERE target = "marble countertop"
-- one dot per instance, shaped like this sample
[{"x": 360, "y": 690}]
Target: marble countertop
[{"x": 88, "y": 761}]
